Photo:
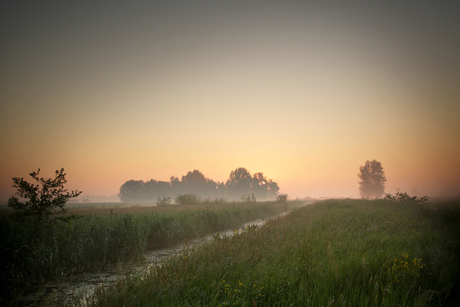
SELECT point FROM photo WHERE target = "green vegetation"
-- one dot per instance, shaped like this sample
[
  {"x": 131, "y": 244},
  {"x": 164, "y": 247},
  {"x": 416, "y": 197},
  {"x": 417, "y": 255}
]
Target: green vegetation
[
  {"x": 248, "y": 198},
  {"x": 282, "y": 197},
  {"x": 33, "y": 254},
  {"x": 163, "y": 201},
  {"x": 331, "y": 253},
  {"x": 187, "y": 199},
  {"x": 403, "y": 197},
  {"x": 44, "y": 199}
]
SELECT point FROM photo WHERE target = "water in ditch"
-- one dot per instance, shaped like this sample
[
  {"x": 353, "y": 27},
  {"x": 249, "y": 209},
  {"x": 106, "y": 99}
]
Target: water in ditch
[{"x": 82, "y": 287}]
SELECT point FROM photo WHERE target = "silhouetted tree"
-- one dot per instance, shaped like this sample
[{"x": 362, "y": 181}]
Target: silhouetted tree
[
  {"x": 273, "y": 190},
  {"x": 149, "y": 189},
  {"x": 220, "y": 190},
  {"x": 175, "y": 186},
  {"x": 164, "y": 188},
  {"x": 239, "y": 183},
  {"x": 132, "y": 190},
  {"x": 213, "y": 189},
  {"x": 194, "y": 182},
  {"x": 260, "y": 186},
  {"x": 153, "y": 189},
  {"x": 42, "y": 201},
  {"x": 372, "y": 179},
  {"x": 196, "y": 177}
]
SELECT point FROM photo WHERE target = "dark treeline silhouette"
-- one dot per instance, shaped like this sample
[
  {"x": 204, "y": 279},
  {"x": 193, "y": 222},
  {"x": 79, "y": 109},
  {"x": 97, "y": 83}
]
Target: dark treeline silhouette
[{"x": 240, "y": 184}]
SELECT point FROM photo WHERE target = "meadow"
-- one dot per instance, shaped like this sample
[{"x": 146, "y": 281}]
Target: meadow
[
  {"x": 330, "y": 253},
  {"x": 103, "y": 237}
]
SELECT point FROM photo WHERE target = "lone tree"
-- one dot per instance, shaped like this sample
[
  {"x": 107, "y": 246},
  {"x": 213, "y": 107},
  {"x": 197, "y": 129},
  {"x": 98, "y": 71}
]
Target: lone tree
[
  {"x": 372, "y": 179},
  {"x": 42, "y": 201}
]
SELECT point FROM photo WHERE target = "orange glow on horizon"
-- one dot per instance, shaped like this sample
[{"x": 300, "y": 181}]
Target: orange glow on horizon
[{"x": 304, "y": 93}]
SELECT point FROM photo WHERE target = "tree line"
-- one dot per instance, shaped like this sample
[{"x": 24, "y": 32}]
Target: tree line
[{"x": 240, "y": 185}]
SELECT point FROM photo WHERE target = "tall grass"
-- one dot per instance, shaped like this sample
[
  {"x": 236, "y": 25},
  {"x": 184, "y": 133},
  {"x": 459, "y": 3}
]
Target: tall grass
[
  {"x": 35, "y": 254},
  {"x": 332, "y": 253}
]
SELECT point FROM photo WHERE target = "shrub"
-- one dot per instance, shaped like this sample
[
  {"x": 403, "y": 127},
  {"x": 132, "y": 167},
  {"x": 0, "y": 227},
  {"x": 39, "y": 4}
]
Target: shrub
[
  {"x": 42, "y": 202},
  {"x": 187, "y": 199},
  {"x": 216, "y": 200},
  {"x": 282, "y": 197},
  {"x": 163, "y": 201},
  {"x": 248, "y": 198},
  {"x": 405, "y": 198}
]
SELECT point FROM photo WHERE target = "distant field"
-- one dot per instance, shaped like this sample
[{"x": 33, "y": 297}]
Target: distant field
[
  {"x": 331, "y": 253},
  {"x": 133, "y": 208},
  {"x": 106, "y": 208}
]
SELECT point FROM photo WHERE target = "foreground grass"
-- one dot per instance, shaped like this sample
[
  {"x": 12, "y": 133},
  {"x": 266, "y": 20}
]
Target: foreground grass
[
  {"x": 32, "y": 254},
  {"x": 332, "y": 253}
]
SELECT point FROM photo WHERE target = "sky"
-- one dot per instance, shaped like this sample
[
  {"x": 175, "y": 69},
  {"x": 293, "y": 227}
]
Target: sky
[{"x": 304, "y": 92}]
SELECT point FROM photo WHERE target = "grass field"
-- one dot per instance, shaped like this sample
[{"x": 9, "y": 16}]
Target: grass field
[
  {"x": 32, "y": 255},
  {"x": 331, "y": 253},
  {"x": 146, "y": 208}
]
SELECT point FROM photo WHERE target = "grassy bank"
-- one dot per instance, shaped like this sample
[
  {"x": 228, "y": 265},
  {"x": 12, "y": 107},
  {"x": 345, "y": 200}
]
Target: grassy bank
[
  {"x": 32, "y": 255},
  {"x": 332, "y": 253}
]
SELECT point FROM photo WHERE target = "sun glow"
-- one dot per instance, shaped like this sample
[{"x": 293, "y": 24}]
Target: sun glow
[{"x": 305, "y": 93}]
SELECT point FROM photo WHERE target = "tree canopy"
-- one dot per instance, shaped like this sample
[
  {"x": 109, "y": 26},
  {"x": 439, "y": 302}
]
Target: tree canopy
[
  {"x": 371, "y": 179},
  {"x": 239, "y": 184}
]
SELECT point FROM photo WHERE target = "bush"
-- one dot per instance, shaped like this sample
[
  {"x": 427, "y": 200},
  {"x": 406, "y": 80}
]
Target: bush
[
  {"x": 248, "y": 198},
  {"x": 187, "y": 199},
  {"x": 163, "y": 201},
  {"x": 216, "y": 200},
  {"x": 282, "y": 197},
  {"x": 405, "y": 198},
  {"x": 42, "y": 202}
]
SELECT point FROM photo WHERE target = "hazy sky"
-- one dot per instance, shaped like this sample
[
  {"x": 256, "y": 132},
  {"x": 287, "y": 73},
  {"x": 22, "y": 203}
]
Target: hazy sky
[{"x": 304, "y": 92}]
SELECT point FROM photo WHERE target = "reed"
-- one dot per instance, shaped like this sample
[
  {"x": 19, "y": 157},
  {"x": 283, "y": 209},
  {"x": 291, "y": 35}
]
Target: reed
[
  {"x": 34, "y": 254},
  {"x": 331, "y": 253}
]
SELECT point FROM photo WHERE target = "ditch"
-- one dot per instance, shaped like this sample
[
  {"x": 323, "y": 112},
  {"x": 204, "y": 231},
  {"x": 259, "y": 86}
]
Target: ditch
[{"x": 78, "y": 289}]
